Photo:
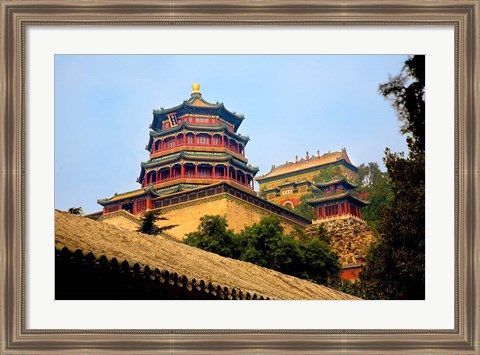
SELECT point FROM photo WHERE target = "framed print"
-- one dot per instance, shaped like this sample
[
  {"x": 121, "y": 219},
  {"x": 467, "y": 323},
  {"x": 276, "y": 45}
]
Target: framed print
[{"x": 41, "y": 41}]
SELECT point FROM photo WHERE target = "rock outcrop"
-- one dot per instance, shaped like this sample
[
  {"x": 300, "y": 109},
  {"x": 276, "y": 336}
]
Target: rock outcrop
[{"x": 351, "y": 236}]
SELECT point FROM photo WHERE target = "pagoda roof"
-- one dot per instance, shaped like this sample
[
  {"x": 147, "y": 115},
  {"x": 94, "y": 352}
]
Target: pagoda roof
[
  {"x": 195, "y": 157},
  {"x": 306, "y": 164},
  {"x": 129, "y": 194},
  {"x": 336, "y": 196},
  {"x": 196, "y": 127},
  {"x": 196, "y": 104},
  {"x": 342, "y": 180}
]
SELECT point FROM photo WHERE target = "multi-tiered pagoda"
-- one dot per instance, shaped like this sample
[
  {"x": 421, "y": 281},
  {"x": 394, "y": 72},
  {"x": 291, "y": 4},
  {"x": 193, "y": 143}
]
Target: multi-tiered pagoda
[
  {"x": 191, "y": 145},
  {"x": 337, "y": 199}
]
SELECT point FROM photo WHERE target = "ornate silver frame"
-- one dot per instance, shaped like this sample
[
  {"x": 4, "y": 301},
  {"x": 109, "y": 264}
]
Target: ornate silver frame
[{"x": 17, "y": 15}]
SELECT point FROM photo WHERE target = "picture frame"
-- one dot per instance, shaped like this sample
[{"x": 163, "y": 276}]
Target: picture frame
[{"x": 17, "y": 15}]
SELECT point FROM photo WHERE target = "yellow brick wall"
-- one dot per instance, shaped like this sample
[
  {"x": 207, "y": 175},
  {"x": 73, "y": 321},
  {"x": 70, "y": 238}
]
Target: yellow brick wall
[
  {"x": 241, "y": 214},
  {"x": 238, "y": 212},
  {"x": 187, "y": 215}
]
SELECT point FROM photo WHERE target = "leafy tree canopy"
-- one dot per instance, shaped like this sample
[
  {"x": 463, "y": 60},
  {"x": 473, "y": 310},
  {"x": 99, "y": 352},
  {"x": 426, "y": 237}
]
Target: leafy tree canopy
[
  {"x": 265, "y": 244},
  {"x": 396, "y": 264},
  {"x": 377, "y": 187},
  {"x": 212, "y": 235}
]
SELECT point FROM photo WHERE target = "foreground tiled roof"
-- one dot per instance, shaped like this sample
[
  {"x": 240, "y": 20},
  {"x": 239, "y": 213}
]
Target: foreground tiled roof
[{"x": 107, "y": 242}]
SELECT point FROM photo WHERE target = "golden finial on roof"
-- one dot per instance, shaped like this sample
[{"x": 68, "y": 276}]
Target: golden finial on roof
[{"x": 196, "y": 89}]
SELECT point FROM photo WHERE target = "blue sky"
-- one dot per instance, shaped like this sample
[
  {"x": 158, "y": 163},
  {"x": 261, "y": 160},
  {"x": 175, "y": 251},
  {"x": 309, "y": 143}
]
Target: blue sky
[{"x": 292, "y": 104}]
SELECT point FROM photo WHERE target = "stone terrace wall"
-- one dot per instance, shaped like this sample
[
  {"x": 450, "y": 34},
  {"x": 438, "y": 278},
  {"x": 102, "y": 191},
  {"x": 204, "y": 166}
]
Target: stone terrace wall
[
  {"x": 187, "y": 215},
  {"x": 350, "y": 237},
  {"x": 239, "y": 214}
]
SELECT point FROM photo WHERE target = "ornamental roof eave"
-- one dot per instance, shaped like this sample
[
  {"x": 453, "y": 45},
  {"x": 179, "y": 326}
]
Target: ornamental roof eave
[
  {"x": 199, "y": 127},
  {"x": 221, "y": 158},
  {"x": 127, "y": 195},
  {"x": 330, "y": 182},
  {"x": 186, "y": 105},
  {"x": 336, "y": 196},
  {"x": 284, "y": 170}
]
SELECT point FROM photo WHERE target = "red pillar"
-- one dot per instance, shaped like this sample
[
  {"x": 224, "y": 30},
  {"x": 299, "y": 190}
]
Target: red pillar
[
  {"x": 149, "y": 203},
  {"x": 223, "y": 144},
  {"x": 171, "y": 172},
  {"x": 184, "y": 139},
  {"x": 211, "y": 141},
  {"x": 182, "y": 171}
]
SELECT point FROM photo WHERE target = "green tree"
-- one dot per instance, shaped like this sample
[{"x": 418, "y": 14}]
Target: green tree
[
  {"x": 369, "y": 174},
  {"x": 406, "y": 92},
  {"x": 259, "y": 240},
  {"x": 287, "y": 256},
  {"x": 148, "y": 223},
  {"x": 321, "y": 261},
  {"x": 377, "y": 186},
  {"x": 265, "y": 244},
  {"x": 76, "y": 210},
  {"x": 396, "y": 264},
  {"x": 212, "y": 235}
]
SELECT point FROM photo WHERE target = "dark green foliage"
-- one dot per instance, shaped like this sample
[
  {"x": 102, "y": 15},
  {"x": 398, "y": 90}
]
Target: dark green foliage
[
  {"x": 76, "y": 210},
  {"x": 321, "y": 262},
  {"x": 322, "y": 234},
  {"x": 265, "y": 244},
  {"x": 148, "y": 223},
  {"x": 287, "y": 256},
  {"x": 259, "y": 240},
  {"x": 304, "y": 209},
  {"x": 377, "y": 185},
  {"x": 212, "y": 235},
  {"x": 352, "y": 288},
  {"x": 396, "y": 264},
  {"x": 326, "y": 174},
  {"x": 406, "y": 92}
]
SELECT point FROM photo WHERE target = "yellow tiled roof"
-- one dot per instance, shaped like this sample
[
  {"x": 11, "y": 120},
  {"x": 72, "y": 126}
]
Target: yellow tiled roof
[
  {"x": 126, "y": 195},
  {"x": 306, "y": 164},
  {"x": 99, "y": 238}
]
